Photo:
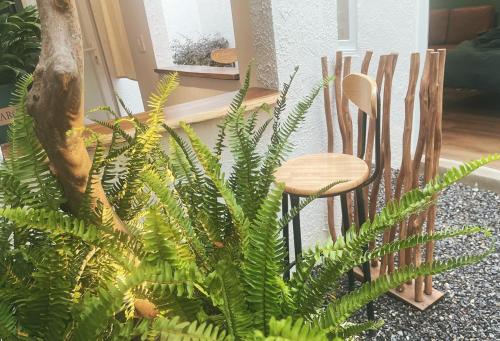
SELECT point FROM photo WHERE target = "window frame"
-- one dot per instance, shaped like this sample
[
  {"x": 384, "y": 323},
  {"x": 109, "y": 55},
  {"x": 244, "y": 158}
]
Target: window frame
[{"x": 351, "y": 44}]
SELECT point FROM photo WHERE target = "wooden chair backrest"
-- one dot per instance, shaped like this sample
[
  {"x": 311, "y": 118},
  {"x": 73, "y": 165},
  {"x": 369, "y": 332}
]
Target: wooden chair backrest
[
  {"x": 361, "y": 90},
  {"x": 224, "y": 56}
]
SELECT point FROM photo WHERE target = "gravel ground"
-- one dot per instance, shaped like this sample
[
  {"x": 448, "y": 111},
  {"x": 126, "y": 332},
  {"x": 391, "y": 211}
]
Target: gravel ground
[{"x": 470, "y": 308}]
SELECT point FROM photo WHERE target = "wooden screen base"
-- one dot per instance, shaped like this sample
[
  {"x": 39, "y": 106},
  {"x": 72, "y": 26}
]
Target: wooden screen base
[{"x": 408, "y": 294}]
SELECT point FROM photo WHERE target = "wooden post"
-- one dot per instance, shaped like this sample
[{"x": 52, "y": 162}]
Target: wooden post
[
  {"x": 437, "y": 96},
  {"x": 404, "y": 177},
  {"x": 429, "y": 161},
  {"x": 417, "y": 159},
  {"x": 330, "y": 146},
  {"x": 365, "y": 65},
  {"x": 369, "y": 151},
  {"x": 386, "y": 143},
  {"x": 347, "y": 134}
]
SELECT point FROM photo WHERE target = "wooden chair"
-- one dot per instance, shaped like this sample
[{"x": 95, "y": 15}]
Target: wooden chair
[
  {"x": 225, "y": 56},
  {"x": 308, "y": 174}
]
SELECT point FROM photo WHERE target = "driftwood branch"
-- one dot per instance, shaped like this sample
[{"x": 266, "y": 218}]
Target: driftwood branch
[{"x": 56, "y": 101}]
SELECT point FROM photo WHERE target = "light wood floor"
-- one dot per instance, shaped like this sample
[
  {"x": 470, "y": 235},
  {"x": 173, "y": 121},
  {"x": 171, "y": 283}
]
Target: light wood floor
[{"x": 471, "y": 125}]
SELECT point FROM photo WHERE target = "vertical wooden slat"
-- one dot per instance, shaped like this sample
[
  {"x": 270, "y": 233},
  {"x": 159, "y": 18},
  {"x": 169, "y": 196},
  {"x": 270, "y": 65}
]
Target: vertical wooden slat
[
  {"x": 348, "y": 147},
  {"x": 438, "y": 135},
  {"x": 330, "y": 146},
  {"x": 429, "y": 161},
  {"x": 419, "y": 149},
  {"x": 365, "y": 65},
  {"x": 404, "y": 177},
  {"x": 339, "y": 59},
  {"x": 347, "y": 133},
  {"x": 386, "y": 143},
  {"x": 369, "y": 151}
]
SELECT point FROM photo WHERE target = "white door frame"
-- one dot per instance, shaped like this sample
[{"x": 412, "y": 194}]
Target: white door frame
[{"x": 92, "y": 48}]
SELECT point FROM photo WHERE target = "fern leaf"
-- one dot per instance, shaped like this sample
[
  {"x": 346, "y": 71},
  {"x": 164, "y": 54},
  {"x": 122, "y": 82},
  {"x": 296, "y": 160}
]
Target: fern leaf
[
  {"x": 166, "y": 329},
  {"x": 237, "y": 316},
  {"x": 290, "y": 330},
  {"x": 212, "y": 167},
  {"x": 338, "y": 311},
  {"x": 233, "y": 108},
  {"x": 263, "y": 266},
  {"x": 8, "y": 323},
  {"x": 280, "y": 144},
  {"x": 162, "y": 242},
  {"x": 27, "y": 161},
  {"x": 349, "y": 330},
  {"x": 164, "y": 89}
]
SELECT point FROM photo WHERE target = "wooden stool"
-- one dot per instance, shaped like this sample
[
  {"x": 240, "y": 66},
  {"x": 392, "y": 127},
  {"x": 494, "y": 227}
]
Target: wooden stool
[
  {"x": 307, "y": 175},
  {"x": 225, "y": 56}
]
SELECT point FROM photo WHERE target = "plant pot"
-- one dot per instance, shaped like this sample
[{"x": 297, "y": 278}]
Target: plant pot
[{"x": 6, "y": 111}]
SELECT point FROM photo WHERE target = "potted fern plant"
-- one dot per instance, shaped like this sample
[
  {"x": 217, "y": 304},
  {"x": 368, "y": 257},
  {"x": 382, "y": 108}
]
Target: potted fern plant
[
  {"x": 201, "y": 257},
  {"x": 19, "y": 51}
]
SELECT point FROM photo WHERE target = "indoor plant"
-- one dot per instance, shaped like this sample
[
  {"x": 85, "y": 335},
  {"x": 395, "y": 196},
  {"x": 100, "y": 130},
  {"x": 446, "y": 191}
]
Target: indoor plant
[
  {"x": 19, "y": 51},
  {"x": 202, "y": 258}
]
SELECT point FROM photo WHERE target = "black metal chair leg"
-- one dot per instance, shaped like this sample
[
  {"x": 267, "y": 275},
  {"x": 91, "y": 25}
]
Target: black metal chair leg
[
  {"x": 297, "y": 241},
  {"x": 286, "y": 238},
  {"x": 345, "y": 228},
  {"x": 360, "y": 201}
]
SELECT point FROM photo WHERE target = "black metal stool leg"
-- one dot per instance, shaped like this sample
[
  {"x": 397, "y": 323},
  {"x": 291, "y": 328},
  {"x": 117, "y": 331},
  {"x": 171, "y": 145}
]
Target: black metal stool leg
[
  {"x": 286, "y": 238},
  {"x": 345, "y": 227},
  {"x": 360, "y": 201},
  {"x": 297, "y": 241}
]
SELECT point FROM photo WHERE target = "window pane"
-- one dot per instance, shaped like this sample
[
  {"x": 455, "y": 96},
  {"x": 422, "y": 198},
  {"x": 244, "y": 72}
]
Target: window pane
[{"x": 343, "y": 19}]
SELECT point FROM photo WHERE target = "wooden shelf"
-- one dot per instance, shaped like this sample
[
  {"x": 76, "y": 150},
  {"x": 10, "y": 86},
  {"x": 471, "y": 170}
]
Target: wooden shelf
[
  {"x": 200, "y": 71},
  {"x": 198, "y": 111}
]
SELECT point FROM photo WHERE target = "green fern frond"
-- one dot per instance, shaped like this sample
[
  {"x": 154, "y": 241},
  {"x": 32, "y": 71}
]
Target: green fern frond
[
  {"x": 87, "y": 202},
  {"x": 280, "y": 144},
  {"x": 105, "y": 108},
  {"x": 304, "y": 203},
  {"x": 116, "y": 128},
  {"x": 238, "y": 318},
  {"x": 338, "y": 311},
  {"x": 164, "y": 242},
  {"x": 27, "y": 160},
  {"x": 259, "y": 133},
  {"x": 181, "y": 231},
  {"x": 46, "y": 309},
  {"x": 415, "y": 240},
  {"x": 455, "y": 174},
  {"x": 349, "y": 329},
  {"x": 8, "y": 323},
  {"x": 166, "y": 329},
  {"x": 244, "y": 178},
  {"x": 164, "y": 89},
  {"x": 212, "y": 168},
  {"x": 96, "y": 311},
  {"x": 59, "y": 224},
  {"x": 263, "y": 266},
  {"x": 290, "y": 330},
  {"x": 124, "y": 106},
  {"x": 51, "y": 221},
  {"x": 233, "y": 108},
  {"x": 280, "y": 107}
]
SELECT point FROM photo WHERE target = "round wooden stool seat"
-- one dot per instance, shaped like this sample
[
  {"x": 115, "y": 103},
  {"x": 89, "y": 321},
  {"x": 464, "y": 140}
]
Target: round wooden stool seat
[{"x": 308, "y": 174}]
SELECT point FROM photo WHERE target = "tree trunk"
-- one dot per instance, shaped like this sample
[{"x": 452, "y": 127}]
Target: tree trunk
[{"x": 56, "y": 102}]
